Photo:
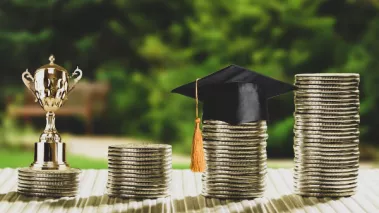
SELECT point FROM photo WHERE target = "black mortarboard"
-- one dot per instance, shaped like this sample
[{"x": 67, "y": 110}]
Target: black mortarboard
[{"x": 235, "y": 94}]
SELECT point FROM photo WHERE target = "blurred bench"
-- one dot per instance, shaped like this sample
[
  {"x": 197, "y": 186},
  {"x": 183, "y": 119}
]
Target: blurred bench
[{"x": 86, "y": 100}]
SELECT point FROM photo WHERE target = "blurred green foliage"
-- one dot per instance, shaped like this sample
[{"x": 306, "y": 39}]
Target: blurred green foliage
[{"x": 146, "y": 48}]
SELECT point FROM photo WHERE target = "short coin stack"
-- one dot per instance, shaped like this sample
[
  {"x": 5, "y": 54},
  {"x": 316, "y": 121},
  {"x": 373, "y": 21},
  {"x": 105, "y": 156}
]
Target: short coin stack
[
  {"x": 326, "y": 134},
  {"x": 139, "y": 170},
  {"x": 236, "y": 160},
  {"x": 48, "y": 183}
]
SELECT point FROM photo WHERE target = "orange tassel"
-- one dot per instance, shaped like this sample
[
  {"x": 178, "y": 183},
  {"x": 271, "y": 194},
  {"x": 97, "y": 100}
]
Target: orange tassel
[{"x": 197, "y": 153}]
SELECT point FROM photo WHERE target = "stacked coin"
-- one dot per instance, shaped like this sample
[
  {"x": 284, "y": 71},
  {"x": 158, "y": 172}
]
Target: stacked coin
[
  {"x": 48, "y": 183},
  {"x": 326, "y": 134},
  {"x": 236, "y": 160},
  {"x": 139, "y": 170}
]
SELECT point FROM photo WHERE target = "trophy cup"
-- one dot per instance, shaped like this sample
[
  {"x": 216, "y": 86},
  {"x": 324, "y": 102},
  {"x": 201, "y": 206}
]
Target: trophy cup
[{"x": 50, "y": 175}]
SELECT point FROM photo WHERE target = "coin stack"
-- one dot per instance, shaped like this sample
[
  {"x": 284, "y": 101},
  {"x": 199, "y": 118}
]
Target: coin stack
[
  {"x": 139, "y": 170},
  {"x": 236, "y": 160},
  {"x": 48, "y": 183},
  {"x": 326, "y": 134}
]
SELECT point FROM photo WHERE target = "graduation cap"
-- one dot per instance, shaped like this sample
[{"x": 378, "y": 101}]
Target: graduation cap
[{"x": 233, "y": 94}]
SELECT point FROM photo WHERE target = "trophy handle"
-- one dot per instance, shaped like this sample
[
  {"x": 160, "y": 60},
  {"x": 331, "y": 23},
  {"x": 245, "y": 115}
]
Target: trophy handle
[
  {"x": 28, "y": 80},
  {"x": 77, "y": 75}
]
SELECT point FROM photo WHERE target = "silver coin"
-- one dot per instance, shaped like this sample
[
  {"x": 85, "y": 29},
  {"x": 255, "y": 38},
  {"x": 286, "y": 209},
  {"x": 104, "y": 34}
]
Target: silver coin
[
  {"x": 337, "y": 194},
  {"x": 30, "y": 181},
  {"x": 231, "y": 179},
  {"x": 326, "y": 133},
  {"x": 326, "y": 112},
  {"x": 333, "y": 86},
  {"x": 220, "y": 135},
  {"x": 326, "y": 162},
  {"x": 327, "y": 141},
  {"x": 315, "y": 183},
  {"x": 139, "y": 152},
  {"x": 317, "y": 157},
  {"x": 327, "y": 190},
  {"x": 140, "y": 155},
  {"x": 50, "y": 173},
  {"x": 300, "y": 109},
  {"x": 307, "y": 168},
  {"x": 325, "y": 99},
  {"x": 307, "y": 186},
  {"x": 325, "y": 95},
  {"x": 314, "y": 175},
  {"x": 325, "y": 129},
  {"x": 327, "y": 75},
  {"x": 147, "y": 146},
  {"x": 231, "y": 153},
  {"x": 234, "y": 132},
  {"x": 237, "y": 140},
  {"x": 213, "y": 128},
  {"x": 354, "y": 149},
  {"x": 234, "y": 153},
  {"x": 233, "y": 142},
  {"x": 234, "y": 168},
  {"x": 329, "y": 82},
  {"x": 225, "y": 123},
  {"x": 135, "y": 193},
  {"x": 139, "y": 163},
  {"x": 305, "y": 178},
  {"x": 155, "y": 189},
  {"x": 314, "y": 118},
  {"x": 235, "y": 172},
  {"x": 121, "y": 195},
  {"x": 40, "y": 187},
  {"x": 234, "y": 190},
  {"x": 337, "y": 137},
  {"x": 314, "y": 148},
  {"x": 235, "y": 162},
  {"x": 152, "y": 188},
  {"x": 253, "y": 147},
  {"x": 46, "y": 194},
  {"x": 310, "y": 118},
  {"x": 122, "y": 165},
  {"x": 232, "y": 161},
  {"x": 132, "y": 174},
  {"x": 125, "y": 195},
  {"x": 231, "y": 193},
  {"x": 50, "y": 190},
  {"x": 233, "y": 183}
]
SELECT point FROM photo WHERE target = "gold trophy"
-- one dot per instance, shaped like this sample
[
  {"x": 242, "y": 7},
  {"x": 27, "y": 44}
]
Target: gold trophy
[{"x": 50, "y": 175}]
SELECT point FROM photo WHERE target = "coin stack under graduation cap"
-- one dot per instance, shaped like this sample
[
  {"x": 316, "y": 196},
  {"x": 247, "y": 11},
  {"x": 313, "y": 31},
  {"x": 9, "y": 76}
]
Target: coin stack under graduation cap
[
  {"x": 48, "y": 183},
  {"x": 139, "y": 170},
  {"x": 326, "y": 134},
  {"x": 235, "y": 159}
]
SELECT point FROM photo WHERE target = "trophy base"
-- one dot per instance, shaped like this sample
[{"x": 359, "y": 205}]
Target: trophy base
[{"x": 49, "y": 156}]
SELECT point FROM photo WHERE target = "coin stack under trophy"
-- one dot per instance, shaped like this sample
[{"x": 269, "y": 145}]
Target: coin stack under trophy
[
  {"x": 235, "y": 159},
  {"x": 139, "y": 170},
  {"x": 326, "y": 134},
  {"x": 49, "y": 175}
]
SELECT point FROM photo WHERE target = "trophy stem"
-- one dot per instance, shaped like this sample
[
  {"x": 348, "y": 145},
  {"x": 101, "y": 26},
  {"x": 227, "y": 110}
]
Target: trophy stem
[
  {"x": 50, "y": 122},
  {"x": 50, "y": 134}
]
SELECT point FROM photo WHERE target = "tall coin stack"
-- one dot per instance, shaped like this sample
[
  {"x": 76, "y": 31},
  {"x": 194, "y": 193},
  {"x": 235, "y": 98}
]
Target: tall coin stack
[
  {"x": 326, "y": 134},
  {"x": 235, "y": 159},
  {"x": 139, "y": 170}
]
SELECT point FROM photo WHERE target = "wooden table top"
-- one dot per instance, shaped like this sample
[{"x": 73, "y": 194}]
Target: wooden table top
[{"x": 185, "y": 197}]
